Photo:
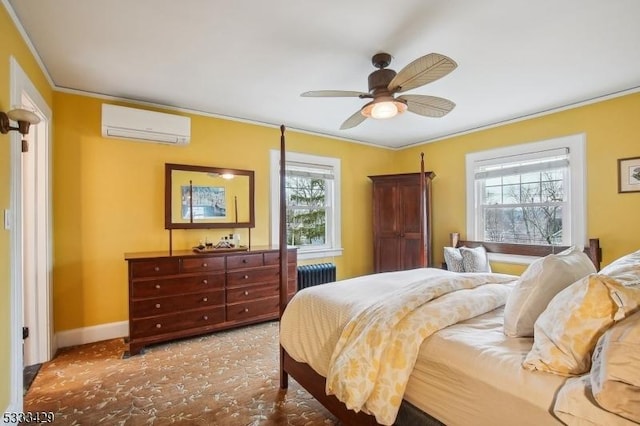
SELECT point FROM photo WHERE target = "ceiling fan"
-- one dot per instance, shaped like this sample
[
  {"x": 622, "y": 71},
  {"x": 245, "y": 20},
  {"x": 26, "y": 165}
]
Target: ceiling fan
[{"x": 384, "y": 83}]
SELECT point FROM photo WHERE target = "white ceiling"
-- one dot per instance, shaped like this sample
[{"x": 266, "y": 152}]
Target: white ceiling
[{"x": 251, "y": 59}]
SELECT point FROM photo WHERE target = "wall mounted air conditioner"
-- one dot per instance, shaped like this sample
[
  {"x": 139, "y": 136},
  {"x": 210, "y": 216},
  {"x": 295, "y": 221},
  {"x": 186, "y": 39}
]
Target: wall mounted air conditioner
[{"x": 145, "y": 126}]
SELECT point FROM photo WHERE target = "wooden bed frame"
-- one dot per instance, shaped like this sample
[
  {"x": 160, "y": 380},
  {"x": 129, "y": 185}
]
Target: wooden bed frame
[
  {"x": 593, "y": 250},
  {"x": 313, "y": 382}
]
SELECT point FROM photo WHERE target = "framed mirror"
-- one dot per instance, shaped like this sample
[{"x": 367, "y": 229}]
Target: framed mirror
[{"x": 208, "y": 197}]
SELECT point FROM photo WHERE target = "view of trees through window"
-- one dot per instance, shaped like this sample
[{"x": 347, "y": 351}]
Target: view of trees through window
[
  {"x": 525, "y": 208},
  {"x": 306, "y": 210}
]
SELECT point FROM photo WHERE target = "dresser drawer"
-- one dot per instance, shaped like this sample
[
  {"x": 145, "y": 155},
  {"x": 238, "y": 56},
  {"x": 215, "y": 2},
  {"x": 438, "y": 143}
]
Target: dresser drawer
[
  {"x": 154, "y": 268},
  {"x": 253, "y": 276},
  {"x": 244, "y": 261},
  {"x": 252, "y": 292},
  {"x": 249, "y": 310},
  {"x": 167, "y": 305},
  {"x": 176, "y": 322},
  {"x": 177, "y": 286},
  {"x": 203, "y": 264},
  {"x": 273, "y": 257}
]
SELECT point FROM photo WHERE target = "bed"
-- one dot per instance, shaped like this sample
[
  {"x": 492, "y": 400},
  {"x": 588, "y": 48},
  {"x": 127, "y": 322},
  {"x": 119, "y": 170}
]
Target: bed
[{"x": 460, "y": 367}]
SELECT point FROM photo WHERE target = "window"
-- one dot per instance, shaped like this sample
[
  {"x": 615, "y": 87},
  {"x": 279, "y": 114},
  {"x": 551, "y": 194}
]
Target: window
[
  {"x": 528, "y": 194},
  {"x": 313, "y": 207}
]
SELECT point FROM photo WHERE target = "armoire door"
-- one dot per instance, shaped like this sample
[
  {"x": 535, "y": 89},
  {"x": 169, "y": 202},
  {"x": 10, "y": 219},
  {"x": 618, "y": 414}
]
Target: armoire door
[
  {"x": 409, "y": 224},
  {"x": 386, "y": 223}
]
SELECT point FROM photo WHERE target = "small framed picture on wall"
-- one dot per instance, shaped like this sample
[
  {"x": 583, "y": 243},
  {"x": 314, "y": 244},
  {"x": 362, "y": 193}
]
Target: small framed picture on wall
[{"x": 629, "y": 174}]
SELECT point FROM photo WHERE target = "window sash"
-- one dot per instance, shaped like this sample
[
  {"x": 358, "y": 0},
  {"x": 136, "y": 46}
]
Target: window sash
[
  {"x": 324, "y": 206},
  {"x": 313, "y": 171},
  {"x": 536, "y": 235},
  {"x": 565, "y": 154},
  {"x": 533, "y": 155},
  {"x": 292, "y": 187},
  {"x": 560, "y": 179},
  {"x": 522, "y": 169},
  {"x": 312, "y": 167}
]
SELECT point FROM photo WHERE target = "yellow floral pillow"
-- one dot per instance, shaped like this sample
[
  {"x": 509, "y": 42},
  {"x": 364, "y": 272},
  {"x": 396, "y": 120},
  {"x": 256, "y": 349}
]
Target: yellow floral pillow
[{"x": 566, "y": 333}]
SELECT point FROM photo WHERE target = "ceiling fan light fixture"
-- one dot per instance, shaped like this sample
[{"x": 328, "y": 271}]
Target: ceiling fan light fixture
[
  {"x": 384, "y": 83},
  {"x": 384, "y": 108}
]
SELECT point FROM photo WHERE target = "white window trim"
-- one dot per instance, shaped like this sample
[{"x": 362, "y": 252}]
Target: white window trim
[
  {"x": 577, "y": 182},
  {"x": 335, "y": 233}
]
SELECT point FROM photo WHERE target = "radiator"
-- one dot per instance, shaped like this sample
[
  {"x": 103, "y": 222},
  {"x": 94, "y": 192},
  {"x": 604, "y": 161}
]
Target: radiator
[{"x": 319, "y": 273}]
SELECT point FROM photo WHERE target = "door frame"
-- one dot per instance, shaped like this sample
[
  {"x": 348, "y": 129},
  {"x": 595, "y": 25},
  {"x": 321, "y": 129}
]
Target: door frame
[{"x": 44, "y": 344}]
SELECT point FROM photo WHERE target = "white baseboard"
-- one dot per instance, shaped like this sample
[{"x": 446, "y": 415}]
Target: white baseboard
[{"x": 96, "y": 333}]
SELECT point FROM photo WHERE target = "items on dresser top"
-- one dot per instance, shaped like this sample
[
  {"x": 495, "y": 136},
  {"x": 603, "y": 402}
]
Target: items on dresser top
[{"x": 186, "y": 294}]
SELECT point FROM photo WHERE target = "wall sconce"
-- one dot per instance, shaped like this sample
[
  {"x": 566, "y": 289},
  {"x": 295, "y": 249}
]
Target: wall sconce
[{"x": 24, "y": 118}]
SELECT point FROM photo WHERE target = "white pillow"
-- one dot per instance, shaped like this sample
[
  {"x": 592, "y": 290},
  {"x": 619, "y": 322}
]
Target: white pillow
[
  {"x": 453, "y": 258},
  {"x": 538, "y": 284},
  {"x": 475, "y": 259},
  {"x": 625, "y": 269},
  {"x": 615, "y": 369}
]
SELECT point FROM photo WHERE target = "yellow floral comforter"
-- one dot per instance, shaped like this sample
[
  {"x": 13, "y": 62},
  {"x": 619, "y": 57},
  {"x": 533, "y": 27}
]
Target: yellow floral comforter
[{"x": 377, "y": 349}]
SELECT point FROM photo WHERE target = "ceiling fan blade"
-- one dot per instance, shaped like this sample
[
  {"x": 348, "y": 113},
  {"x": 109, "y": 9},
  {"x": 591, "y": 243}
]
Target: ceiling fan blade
[
  {"x": 423, "y": 70},
  {"x": 429, "y": 106},
  {"x": 353, "y": 121},
  {"x": 335, "y": 94}
]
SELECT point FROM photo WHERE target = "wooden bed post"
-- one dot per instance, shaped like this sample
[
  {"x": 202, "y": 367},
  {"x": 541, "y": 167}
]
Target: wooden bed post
[
  {"x": 423, "y": 214},
  {"x": 595, "y": 252},
  {"x": 284, "y": 378}
]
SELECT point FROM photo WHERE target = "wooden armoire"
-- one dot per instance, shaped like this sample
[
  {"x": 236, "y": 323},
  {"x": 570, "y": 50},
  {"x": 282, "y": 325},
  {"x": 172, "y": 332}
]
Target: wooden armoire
[{"x": 396, "y": 221}]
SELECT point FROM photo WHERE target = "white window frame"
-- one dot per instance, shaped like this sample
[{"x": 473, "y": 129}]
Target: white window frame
[
  {"x": 576, "y": 191},
  {"x": 333, "y": 246}
]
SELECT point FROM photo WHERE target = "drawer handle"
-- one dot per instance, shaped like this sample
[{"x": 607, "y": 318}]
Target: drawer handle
[
  {"x": 244, "y": 261},
  {"x": 204, "y": 265},
  {"x": 157, "y": 269},
  {"x": 246, "y": 277},
  {"x": 246, "y": 293},
  {"x": 205, "y": 282},
  {"x": 157, "y": 285},
  {"x": 157, "y": 306},
  {"x": 205, "y": 299},
  {"x": 246, "y": 309},
  {"x": 206, "y": 318},
  {"x": 158, "y": 325}
]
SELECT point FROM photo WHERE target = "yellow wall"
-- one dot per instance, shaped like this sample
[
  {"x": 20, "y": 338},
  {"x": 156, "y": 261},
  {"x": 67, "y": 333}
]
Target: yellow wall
[
  {"x": 11, "y": 44},
  {"x": 109, "y": 199},
  {"x": 612, "y": 131}
]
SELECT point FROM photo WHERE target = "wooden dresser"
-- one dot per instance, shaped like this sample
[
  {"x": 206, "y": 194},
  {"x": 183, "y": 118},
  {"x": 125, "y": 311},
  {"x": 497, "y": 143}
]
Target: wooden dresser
[{"x": 186, "y": 294}]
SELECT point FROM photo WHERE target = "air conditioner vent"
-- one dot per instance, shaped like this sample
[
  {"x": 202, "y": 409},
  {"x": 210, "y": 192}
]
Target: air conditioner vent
[{"x": 144, "y": 125}]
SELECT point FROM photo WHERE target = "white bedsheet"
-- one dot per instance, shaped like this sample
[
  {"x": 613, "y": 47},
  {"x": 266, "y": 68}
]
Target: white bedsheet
[{"x": 471, "y": 374}]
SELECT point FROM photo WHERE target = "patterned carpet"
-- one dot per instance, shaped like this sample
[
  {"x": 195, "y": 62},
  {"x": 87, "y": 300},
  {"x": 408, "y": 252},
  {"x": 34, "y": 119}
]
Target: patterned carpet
[{"x": 225, "y": 378}]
